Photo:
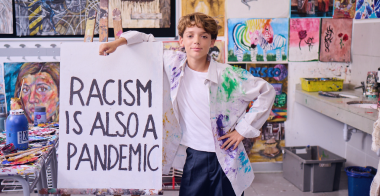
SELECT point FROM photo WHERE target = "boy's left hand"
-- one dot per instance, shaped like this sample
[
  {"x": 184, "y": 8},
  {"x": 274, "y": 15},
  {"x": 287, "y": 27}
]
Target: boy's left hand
[{"x": 233, "y": 138}]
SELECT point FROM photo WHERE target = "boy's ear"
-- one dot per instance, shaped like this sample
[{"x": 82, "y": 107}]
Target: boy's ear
[{"x": 181, "y": 41}]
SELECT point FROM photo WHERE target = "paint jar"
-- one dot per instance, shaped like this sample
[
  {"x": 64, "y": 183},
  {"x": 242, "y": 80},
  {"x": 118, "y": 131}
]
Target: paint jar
[
  {"x": 39, "y": 115},
  {"x": 3, "y": 118},
  {"x": 16, "y": 129}
]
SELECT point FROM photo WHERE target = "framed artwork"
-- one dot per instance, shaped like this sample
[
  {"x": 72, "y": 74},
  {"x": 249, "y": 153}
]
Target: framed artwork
[{"x": 254, "y": 40}]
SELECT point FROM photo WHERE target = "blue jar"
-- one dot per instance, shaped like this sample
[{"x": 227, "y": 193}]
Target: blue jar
[
  {"x": 16, "y": 129},
  {"x": 39, "y": 115}
]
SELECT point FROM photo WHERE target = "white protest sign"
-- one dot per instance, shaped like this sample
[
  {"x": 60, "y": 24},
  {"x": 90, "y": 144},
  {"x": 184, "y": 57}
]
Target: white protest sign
[{"x": 111, "y": 117}]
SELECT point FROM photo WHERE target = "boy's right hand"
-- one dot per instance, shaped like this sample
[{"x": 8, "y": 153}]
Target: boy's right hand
[{"x": 107, "y": 48}]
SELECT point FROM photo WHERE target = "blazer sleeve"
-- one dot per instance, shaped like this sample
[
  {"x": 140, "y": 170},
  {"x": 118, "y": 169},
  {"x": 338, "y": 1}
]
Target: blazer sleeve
[
  {"x": 134, "y": 37},
  {"x": 263, "y": 95}
]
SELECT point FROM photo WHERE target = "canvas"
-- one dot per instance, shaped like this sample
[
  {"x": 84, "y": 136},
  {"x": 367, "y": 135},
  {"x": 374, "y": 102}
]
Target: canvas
[
  {"x": 366, "y": 9},
  {"x": 216, "y": 52},
  {"x": 251, "y": 40},
  {"x": 267, "y": 147},
  {"x": 336, "y": 37},
  {"x": 51, "y": 17},
  {"x": 213, "y": 8},
  {"x": 304, "y": 39},
  {"x": 257, "y": 9},
  {"x": 6, "y": 17},
  {"x": 142, "y": 13},
  {"x": 36, "y": 84},
  {"x": 344, "y": 8}
]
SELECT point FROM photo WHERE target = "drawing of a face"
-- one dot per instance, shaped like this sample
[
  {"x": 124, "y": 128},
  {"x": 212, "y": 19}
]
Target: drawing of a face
[
  {"x": 268, "y": 33},
  {"x": 39, "y": 90}
]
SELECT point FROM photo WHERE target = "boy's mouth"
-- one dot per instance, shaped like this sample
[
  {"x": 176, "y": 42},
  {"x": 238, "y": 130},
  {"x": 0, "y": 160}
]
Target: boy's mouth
[{"x": 196, "y": 49}]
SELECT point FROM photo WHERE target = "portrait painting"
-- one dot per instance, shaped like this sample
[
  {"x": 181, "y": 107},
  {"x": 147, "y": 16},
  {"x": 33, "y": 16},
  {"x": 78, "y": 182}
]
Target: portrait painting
[
  {"x": 141, "y": 13},
  {"x": 213, "y": 8},
  {"x": 336, "y": 38},
  {"x": 304, "y": 39},
  {"x": 252, "y": 40},
  {"x": 35, "y": 84}
]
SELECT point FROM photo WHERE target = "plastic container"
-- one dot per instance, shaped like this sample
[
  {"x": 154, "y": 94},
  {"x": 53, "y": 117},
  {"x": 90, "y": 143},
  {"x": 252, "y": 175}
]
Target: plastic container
[
  {"x": 39, "y": 115},
  {"x": 17, "y": 129},
  {"x": 3, "y": 118},
  {"x": 312, "y": 168},
  {"x": 359, "y": 180},
  {"x": 321, "y": 84}
]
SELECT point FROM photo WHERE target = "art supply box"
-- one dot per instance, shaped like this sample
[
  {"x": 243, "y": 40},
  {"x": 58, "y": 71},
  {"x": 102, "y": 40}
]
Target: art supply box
[
  {"x": 321, "y": 84},
  {"x": 312, "y": 168}
]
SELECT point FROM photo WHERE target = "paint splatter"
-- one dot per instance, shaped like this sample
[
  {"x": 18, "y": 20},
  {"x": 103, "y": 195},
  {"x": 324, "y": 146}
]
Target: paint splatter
[
  {"x": 244, "y": 161},
  {"x": 229, "y": 84}
]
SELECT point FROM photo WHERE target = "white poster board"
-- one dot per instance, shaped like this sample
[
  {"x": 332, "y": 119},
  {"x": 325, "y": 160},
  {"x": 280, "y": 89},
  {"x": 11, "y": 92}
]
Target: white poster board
[{"x": 111, "y": 117}]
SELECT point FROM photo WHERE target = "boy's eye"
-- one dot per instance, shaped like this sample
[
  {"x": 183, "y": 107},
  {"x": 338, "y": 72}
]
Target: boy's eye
[
  {"x": 205, "y": 37},
  {"x": 189, "y": 36}
]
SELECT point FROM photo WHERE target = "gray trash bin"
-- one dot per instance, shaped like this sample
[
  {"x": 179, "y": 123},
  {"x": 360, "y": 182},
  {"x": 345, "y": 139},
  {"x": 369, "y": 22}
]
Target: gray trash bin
[{"x": 312, "y": 168}]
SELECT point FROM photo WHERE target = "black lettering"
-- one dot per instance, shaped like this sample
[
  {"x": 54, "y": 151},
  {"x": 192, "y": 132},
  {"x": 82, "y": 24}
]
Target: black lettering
[
  {"x": 149, "y": 159},
  {"x": 97, "y": 95},
  {"x": 105, "y": 92},
  {"x": 109, "y": 157},
  {"x": 131, "y": 150},
  {"x": 94, "y": 126},
  {"x": 72, "y": 92},
  {"x": 137, "y": 124},
  {"x": 130, "y": 93},
  {"x": 69, "y": 154},
  {"x": 76, "y": 121},
  {"x": 85, "y": 148},
  {"x": 148, "y": 87},
  {"x": 144, "y": 157},
  {"x": 121, "y": 123},
  {"x": 119, "y": 92},
  {"x": 67, "y": 122},
  {"x": 153, "y": 129},
  {"x": 103, "y": 163},
  {"x": 122, "y": 157},
  {"x": 108, "y": 126}
]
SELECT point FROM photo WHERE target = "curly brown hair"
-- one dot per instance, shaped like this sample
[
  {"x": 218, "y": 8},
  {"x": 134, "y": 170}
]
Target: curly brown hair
[{"x": 200, "y": 20}]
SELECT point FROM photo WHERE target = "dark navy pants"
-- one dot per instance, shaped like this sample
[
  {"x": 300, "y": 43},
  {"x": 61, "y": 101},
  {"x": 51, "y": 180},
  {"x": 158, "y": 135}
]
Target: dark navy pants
[{"x": 203, "y": 176}]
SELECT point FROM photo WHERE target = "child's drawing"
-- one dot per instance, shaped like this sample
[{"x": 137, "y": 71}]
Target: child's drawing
[{"x": 253, "y": 40}]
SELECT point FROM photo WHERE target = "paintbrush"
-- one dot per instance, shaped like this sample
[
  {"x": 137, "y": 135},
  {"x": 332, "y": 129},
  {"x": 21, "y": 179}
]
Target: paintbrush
[
  {"x": 19, "y": 155},
  {"x": 15, "y": 158}
]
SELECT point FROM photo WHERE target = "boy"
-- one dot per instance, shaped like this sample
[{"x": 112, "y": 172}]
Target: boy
[{"x": 209, "y": 100}]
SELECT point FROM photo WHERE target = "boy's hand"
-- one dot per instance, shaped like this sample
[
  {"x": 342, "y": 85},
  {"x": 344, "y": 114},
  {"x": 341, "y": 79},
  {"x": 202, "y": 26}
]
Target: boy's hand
[
  {"x": 107, "y": 48},
  {"x": 233, "y": 138}
]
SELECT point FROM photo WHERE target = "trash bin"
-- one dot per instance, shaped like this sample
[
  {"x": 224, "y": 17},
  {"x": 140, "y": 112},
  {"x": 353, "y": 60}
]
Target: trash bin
[
  {"x": 359, "y": 180},
  {"x": 312, "y": 168}
]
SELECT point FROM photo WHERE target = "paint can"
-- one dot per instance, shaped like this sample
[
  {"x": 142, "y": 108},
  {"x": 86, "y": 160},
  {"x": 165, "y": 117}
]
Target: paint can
[
  {"x": 16, "y": 129},
  {"x": 39, "y": 115}
]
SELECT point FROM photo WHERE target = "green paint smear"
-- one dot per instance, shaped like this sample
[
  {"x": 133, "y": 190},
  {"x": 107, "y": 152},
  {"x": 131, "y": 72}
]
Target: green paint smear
[{"x": 229, "y": 85}]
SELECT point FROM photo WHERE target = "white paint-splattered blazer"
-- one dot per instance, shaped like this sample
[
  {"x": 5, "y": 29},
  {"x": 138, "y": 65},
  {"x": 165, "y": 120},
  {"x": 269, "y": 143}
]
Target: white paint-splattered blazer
[{"x": 231, "y": 90}]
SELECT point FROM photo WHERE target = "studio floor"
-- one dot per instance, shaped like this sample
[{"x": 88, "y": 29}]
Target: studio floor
[{"x": 266, "y": 184}]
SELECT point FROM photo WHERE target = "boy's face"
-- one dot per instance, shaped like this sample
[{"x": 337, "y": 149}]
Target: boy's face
[{"x": 197, "y": 42}]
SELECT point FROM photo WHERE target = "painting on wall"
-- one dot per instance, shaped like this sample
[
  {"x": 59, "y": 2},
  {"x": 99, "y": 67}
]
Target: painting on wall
[
  {"x": 344, "y": 8},
  {"x": 216, "y": 52},
  {"x": 336, "y": 37},
  {"x": 142, "y": 13},
  {"x": 213, "y": 8},
  {"x": 367, "y": 9},
  {"x": 267, "y": 147},
  {"x": 312, "y": 8},
  {"x": 304, "y": 39},
  {"x": 35, "y": 84},
  {"x": 251, "y": 40},
  {"x": 258, "y": 9},
  {"x": 39, "y": 18},
  {"x": 6, "y": 17},
  {"x": 243, "y": 66}
]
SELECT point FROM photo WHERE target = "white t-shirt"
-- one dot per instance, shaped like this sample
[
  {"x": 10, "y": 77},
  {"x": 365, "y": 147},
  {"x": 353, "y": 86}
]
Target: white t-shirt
[{"x": 194, "y": 109}]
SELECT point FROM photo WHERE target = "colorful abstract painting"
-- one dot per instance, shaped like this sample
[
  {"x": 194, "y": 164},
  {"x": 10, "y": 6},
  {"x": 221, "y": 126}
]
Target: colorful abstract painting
[
  {"x": 366, "y": 9},
  {"x": 304, "y": 39},
  {"x": 344, "y": 8},
  {"x": 213, "y": 8},
  {"x": 6, "y": 17},
  {"x": 336, "y": 38},
  {"x": 267, "y": 147},
  {"x": 141, "y": 13},
  {"x": 251, "y": 40},
  {"x": 36, "y": 84},
  {"x": 216, "y": 52},
  {"x": 52, "y": 17}
]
